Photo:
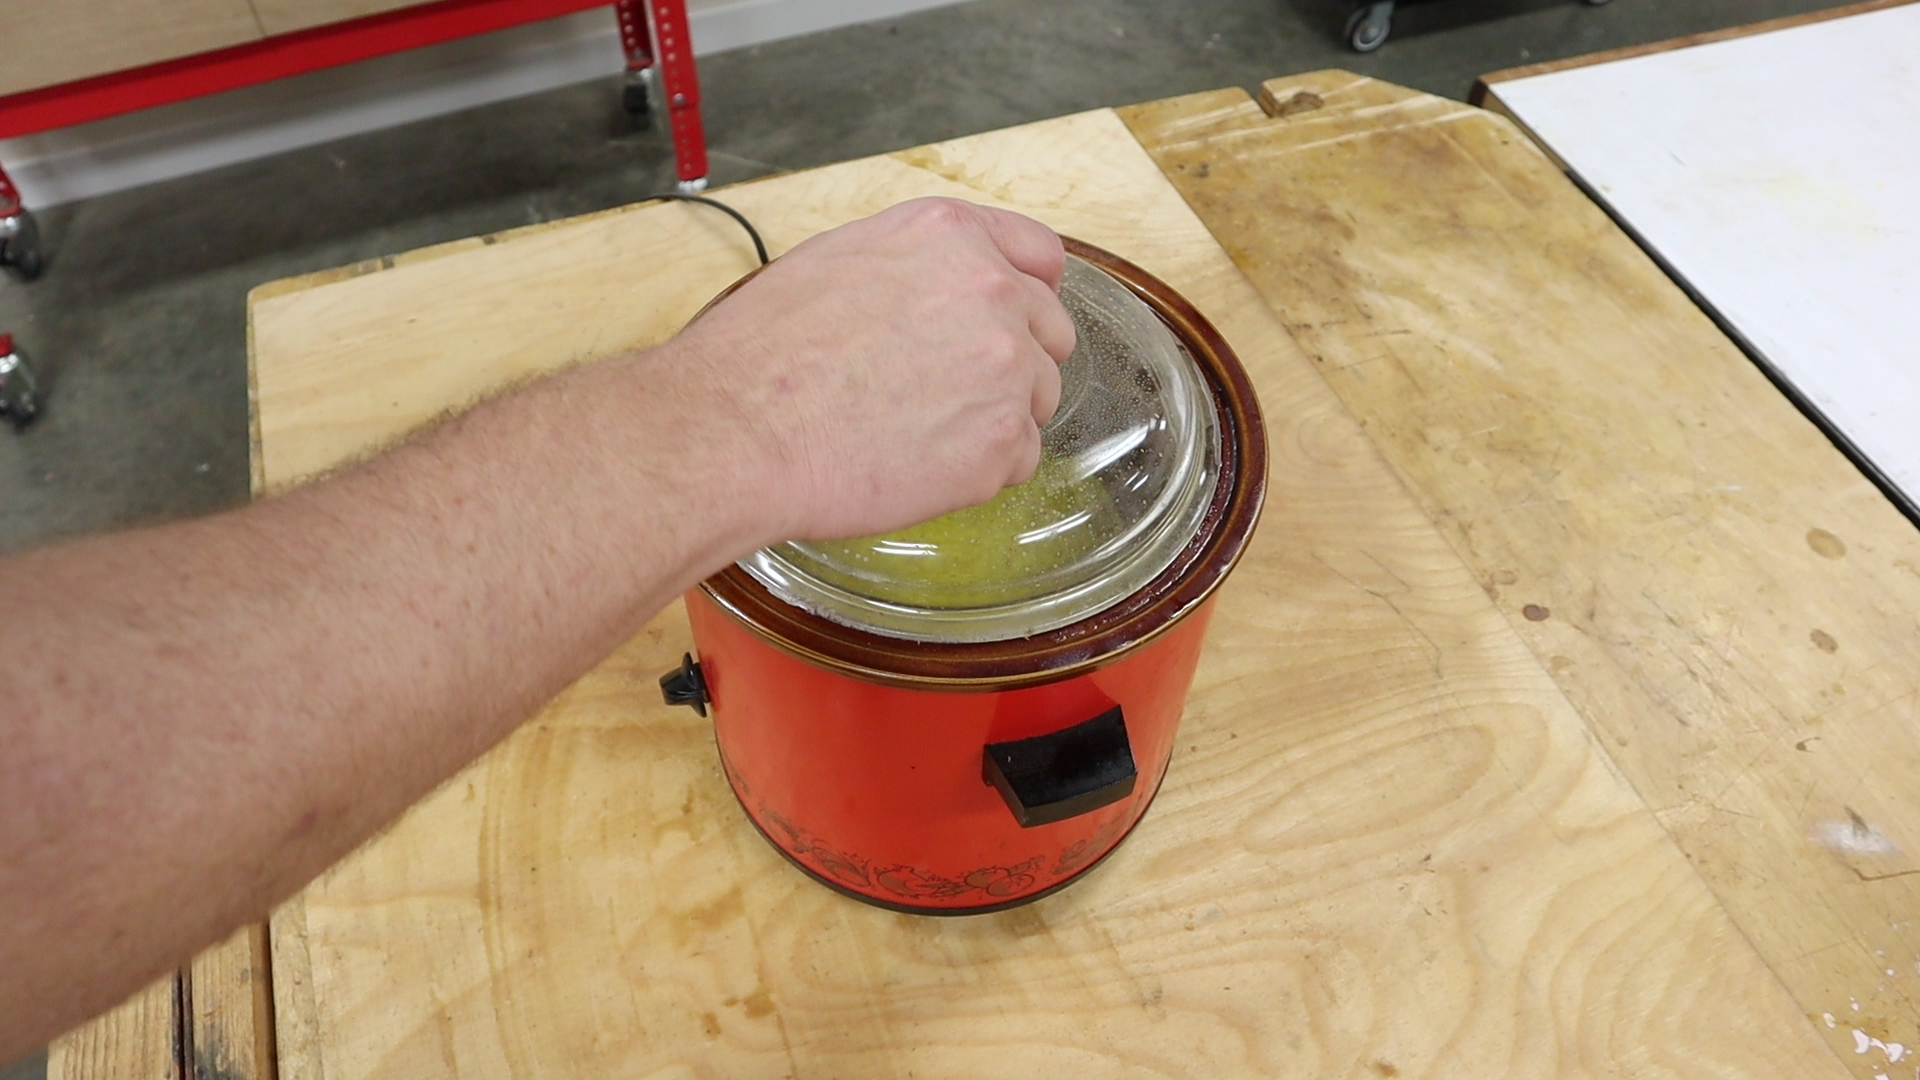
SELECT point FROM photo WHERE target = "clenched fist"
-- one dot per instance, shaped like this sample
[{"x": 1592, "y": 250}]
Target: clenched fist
[{"x": 887, "y": 371}]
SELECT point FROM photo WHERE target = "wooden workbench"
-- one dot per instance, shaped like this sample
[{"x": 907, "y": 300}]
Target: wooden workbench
[{"x": 1556, "y": 723}]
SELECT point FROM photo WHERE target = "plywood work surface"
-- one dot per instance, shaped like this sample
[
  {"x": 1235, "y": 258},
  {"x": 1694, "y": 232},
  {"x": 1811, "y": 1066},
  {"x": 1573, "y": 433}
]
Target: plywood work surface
[
  {"x": 49, "y": 43},
  {"x": 288, "y": 16},
  {"x": 1388, "y": 845},
  {"x": 1730, "y": 605},
  {"x": 134, "y": 1041}
]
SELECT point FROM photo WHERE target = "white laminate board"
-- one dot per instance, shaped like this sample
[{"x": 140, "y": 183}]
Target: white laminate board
[{"x": 1779, "y": 176}]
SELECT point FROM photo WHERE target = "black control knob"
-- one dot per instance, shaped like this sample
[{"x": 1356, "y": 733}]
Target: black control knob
[
  {"x": 1051, "y": 778},
  {"x": 686, "y": 686}
]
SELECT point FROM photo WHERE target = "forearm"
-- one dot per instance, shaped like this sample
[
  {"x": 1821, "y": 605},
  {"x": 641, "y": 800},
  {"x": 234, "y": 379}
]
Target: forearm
[
  {"x": 196, "y": 719},
  {"x": 456, "y": 584}
]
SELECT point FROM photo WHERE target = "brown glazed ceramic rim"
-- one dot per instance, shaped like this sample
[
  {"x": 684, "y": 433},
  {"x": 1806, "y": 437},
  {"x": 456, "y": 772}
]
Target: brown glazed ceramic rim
[{"x": 1100, "y": 639}]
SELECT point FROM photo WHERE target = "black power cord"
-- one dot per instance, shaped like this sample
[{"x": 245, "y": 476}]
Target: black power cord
[{"x": 759, "y": 248}]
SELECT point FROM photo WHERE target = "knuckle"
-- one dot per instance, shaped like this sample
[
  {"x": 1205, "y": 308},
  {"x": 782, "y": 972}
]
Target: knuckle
[
  {"x": 1028, "y": 460},
  {"x": 1006, "y": 343},
  {"x": 941, "y": 213},
  {"x": 1006, "y": 286},
  {"x": 1007, "y": 429},
  {"x": 1046, "y": 402},
  {"x": 991, "y": 285},
  {"x": 1004, "y": 355}
]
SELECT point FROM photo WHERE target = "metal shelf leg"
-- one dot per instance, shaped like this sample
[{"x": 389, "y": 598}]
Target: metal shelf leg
[
  {"x": 679, "y": 81},
  {"x": 637, "y": 43}
]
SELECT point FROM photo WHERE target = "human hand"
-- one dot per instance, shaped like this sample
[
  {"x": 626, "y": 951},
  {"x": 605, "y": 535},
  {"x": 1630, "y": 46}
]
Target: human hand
[{"x": 888, "y": 371}]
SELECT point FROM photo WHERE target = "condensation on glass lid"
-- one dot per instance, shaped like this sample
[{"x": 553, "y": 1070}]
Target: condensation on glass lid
[{"x": 1127, "y": 468}]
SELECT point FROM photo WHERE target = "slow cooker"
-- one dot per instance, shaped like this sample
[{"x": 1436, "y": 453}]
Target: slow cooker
[{"x": 972, "y": 713}]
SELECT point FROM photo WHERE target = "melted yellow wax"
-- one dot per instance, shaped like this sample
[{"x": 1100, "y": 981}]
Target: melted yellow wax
[{"x": 976, "y": 557}]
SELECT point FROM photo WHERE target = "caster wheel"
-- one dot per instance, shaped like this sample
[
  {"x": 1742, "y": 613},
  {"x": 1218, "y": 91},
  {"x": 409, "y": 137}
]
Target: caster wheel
[
  {"x": 20, "y": 413},
  {"x": 19, "y": 393},
  {"x": 636, "y": 98},
  {"x": 20, "y": 245},
  {"x": 1366, "y": 32}
]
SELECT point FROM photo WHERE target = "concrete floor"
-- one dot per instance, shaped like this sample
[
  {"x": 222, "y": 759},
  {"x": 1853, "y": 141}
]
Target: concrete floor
[{"x": 139, "y": 327}]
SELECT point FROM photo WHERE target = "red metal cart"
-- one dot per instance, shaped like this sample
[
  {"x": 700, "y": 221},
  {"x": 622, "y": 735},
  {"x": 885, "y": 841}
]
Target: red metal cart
[{"x": 652, "y": 32}]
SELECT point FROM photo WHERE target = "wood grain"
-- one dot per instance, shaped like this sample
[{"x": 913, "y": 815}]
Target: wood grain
[
  {"x": 49, "y": 43},
  {"x": 1726, "y": 600},
  {"x": 230, "y": 997},
  {"x": 1485, "y": 85},
  {"x": 1387, "y": 844},
  {"x": 287, "y": 16},
  {"x": 136, "y": 1041}
]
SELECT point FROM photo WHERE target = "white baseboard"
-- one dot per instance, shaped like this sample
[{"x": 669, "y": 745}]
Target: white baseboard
[{"x": 194, "y": 136}]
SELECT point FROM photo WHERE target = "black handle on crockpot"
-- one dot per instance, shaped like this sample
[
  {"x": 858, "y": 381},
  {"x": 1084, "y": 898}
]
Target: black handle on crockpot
[
  {"x": 685, "y": 685},
  {"x": 1065, "y": 774}
]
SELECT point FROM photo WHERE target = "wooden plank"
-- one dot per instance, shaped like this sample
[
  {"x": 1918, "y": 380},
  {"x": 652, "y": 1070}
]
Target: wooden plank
[
  {"x": 51, "y": 43},
  {"x": 136, "y": 1041},
  {"x": 322, "y": 396},
  {"x": 1726, "y": 600},
  {"x": 231, "y": 998},
  {"x": 230, "y": 1035},
  {"x": 256, "y": 464},
  {"x": 1485, "y": 84},
  {"x": 1387, "y": 844},
  {"x": 287, "y": 16}
]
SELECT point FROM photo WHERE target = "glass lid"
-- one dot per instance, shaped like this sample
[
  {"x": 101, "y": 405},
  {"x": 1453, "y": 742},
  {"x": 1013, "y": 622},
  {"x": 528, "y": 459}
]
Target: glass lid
[{"x": 1127, "y": 469}]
